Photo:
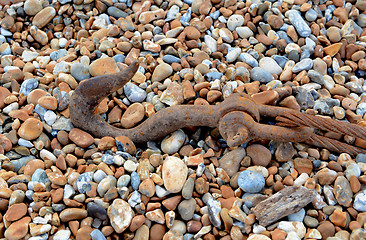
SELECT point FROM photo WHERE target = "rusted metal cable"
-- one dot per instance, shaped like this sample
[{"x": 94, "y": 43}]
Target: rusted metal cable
[
  {"x": 333, "y": 145},
  {"x": 325, "y": 124}
]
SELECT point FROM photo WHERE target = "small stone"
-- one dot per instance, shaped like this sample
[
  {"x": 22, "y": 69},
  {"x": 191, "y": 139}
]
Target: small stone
[
  {"x": 32, "y": 7},
  {"x": 30, "y": 129},
  {"x": 43, "y": 17},
  {"x": 259, "y": 154},
  {"x": 192, "y": 33},
  {"x": 299, "y": 23},
  {"x": 360, "y": 201},
  {"x": 103, "y": 66},
  {"x": 261, "y": 75},
  {"x": 96, "y": 234},
  {"x": 133, "y": 115},
  {"x": 18, "y": 229},
  {"x": 161, "y": 72},
  {"x": 230, "y": 162},
  {"x": 235, "y": 21},
  {"x": 70, "y": 214},
  {"x": 333, "y": 49},
  {"x": 173, "y": 95},
  {"x": 120, "y": 214},
  {"x": 134, "y": 93},
  {"x": 326, "y": 176},
  {"x": 81, "y": 138},
  {"x": 16, "y": 212},
  {"x": 251, "y": 182},
  {"x": 258, "y": 237},
  {"x": 174, "y": 174},
  {"x": 80, "y": 71},
  {"x": 342, "y": 191},
  {"x": 275, "y": 21},
  {"x": 173, "y": 142},
  {"x": 244, "y": 32},
  {"x": 233, "y": 54},
  {"x": 326, "y": 229},
  {"x": 270, "y": 65},
  {"x": 305, "y": 64}
]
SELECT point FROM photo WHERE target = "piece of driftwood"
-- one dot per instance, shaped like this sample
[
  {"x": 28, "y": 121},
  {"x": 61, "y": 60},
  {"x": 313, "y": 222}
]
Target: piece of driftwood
[{"x": 287, "y": 201}]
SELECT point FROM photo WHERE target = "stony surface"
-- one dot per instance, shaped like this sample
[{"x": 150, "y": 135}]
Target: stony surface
[{"x": 59, "y": 182}]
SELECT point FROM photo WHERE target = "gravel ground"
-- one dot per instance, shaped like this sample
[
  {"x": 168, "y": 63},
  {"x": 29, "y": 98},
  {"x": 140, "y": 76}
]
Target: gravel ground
[{"x": 59, "y": 182}]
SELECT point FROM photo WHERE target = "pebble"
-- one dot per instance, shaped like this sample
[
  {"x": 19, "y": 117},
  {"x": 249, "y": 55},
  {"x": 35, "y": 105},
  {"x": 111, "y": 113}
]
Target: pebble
[
  {"x": 161, "y": 72},
  {"x": 259, "y": 155},
  {"x": 230, "y": 162},
  {"x": 173, "y": 142},
  {"x": 32, "y": 7},
  {"x": 298, "y": 22},
  {"x": 251, "y": 182},
  {"x": 103, "y": 66},
  {"x": 305, "y": 64},
  {"x": 270, "y": 65},
  {"x": 43, "y": 17},
  {"x": 60, "y": 182},
  {"x": 79, "y": 71},
  {"x": 120, "y": 214},
  {"x": 30, "y": 129},
  {"x": 133, "y": 115},
  {"x": 81, "y": 138},
  {"x": 174, "y": 174},
  {"x": 235, "y": 21},
  {"x": 134, "y": 93},
  {"x": 261, "y": 75}
]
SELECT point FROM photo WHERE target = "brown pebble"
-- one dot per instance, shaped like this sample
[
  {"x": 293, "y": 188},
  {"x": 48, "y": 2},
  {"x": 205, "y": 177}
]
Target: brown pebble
[
  {"x": 30, "y": 129},
  {"x": 133, "y": 115},
  {"x": 326, "y": 229},
  {"x": 81, "y": 138},
  {"x": 260, "y": 155},
  {"x": 16, "y": 212}
]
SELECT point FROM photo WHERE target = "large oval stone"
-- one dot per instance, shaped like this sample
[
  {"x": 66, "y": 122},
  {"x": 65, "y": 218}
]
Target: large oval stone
[{"x": 174, "y": 174}]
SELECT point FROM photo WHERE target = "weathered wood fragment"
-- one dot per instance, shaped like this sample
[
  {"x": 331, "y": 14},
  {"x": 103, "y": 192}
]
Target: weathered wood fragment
[{"x": 287, "y": 201}]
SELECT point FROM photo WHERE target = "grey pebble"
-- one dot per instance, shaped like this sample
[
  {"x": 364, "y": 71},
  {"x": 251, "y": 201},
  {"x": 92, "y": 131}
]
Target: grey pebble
[
  {"x": 134, "y": 199},
  {"x": 186, "y": 209},
  {"x": 108, "y": 159},
  {"x": 361, "y": 157},
  {"x": 304, "y": 64},
  {"x": 250, "y": 181},
  {"x": 116, "y": 12},
  {"x": 248, "y": 59},
  {"x": 96, "y": 211},
  {"x": 58, "y": 54},
  {"x": 316, "y": 77},
  {"x": 63, "y": 123},
  {"x": 28, "y": 85},
  {"x": 299, "y": 23},
  {"x": 83, "y": 182},
  {"x": 325, "y": 105},
  {"x": 134, "y": 93},
  {"x": 80, "y": 71},
  {"x": 135, "y": 180},
  {"x": 123, "y": 181},
  {"x": 171, "y": 59},
  {"x": 40, "y": 176},
  {"x": 360, "y": 201},
  {"x": 96, "y": 234},
  {"x": 261, "y": 75},
  {"x": 211, "y": 76}
]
